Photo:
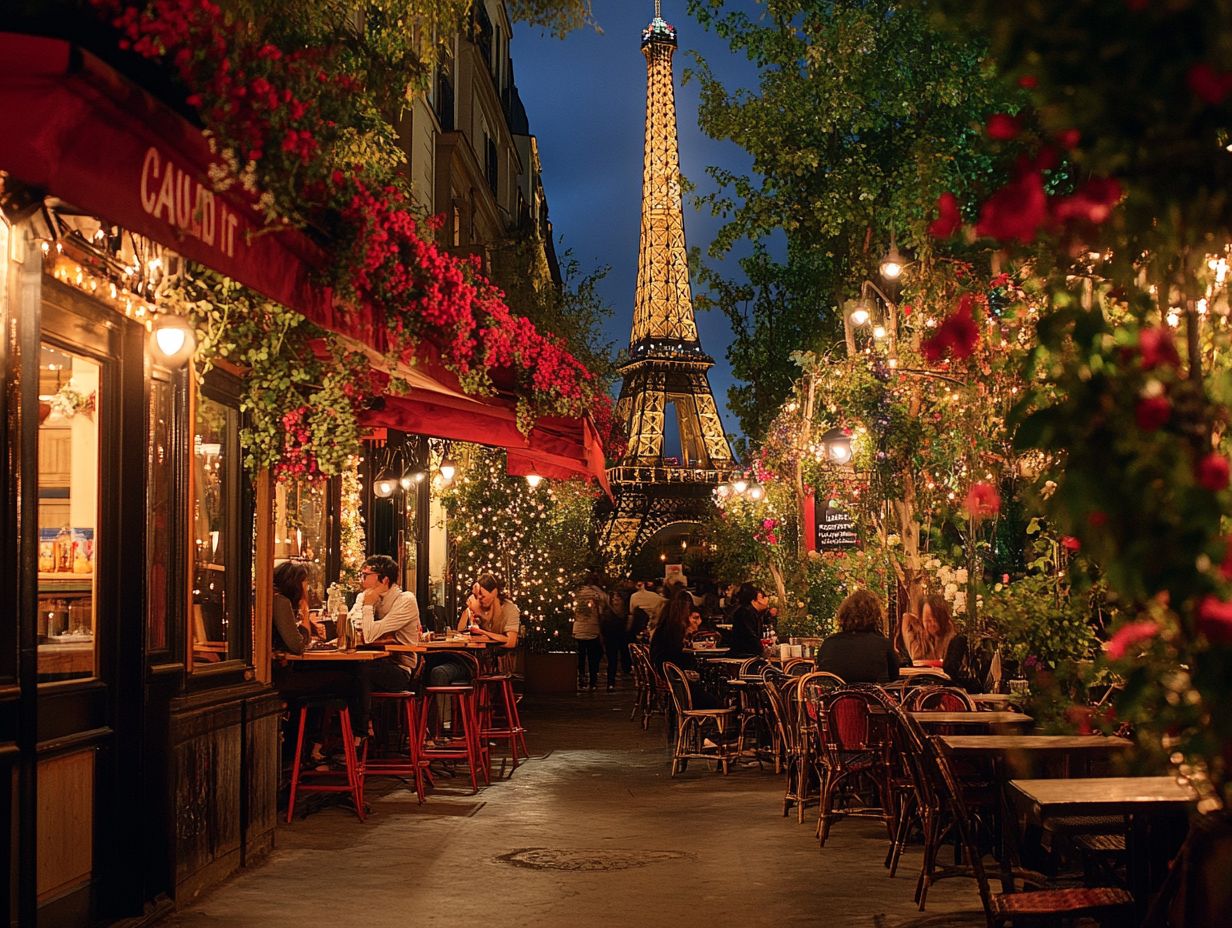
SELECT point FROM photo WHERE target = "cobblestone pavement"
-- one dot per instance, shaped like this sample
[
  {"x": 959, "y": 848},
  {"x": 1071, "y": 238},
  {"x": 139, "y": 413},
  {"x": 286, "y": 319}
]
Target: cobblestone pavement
[{"x": 591, "y": 832}]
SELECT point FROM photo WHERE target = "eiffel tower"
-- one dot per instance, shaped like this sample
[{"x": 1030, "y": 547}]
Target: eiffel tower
[{"x": 665, "y": 383}]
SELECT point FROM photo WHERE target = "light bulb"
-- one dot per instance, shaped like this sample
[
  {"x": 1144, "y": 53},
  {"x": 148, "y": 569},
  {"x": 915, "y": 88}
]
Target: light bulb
[
  {"x": 879, "y": 331},
  {"x": 448, "y": 470},
  {"x": 534, "y": 480},
  {"x": 173, "y": 339},
  {"x": 859, "y": 316},
  {"x": 384, "y": 488},
  {"x": 756, "y": 492},
  {"x": 739, "y": 486}
]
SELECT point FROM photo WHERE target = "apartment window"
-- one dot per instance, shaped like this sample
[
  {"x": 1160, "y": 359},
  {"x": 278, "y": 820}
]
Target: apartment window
[
  {"x": 491, "y": 164},
  {"x": 444, "y": 100},
  {"x": 484, "y": 33}
]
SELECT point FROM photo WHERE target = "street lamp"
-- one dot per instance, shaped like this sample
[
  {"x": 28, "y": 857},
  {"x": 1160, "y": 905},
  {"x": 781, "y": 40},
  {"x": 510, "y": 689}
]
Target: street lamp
[
  {"x": 534, "y": 480},
  {"x": 837, "y": 445},
  {"x": 173, "y": 339},
  {"x": 448, "y": 470},
  {"x": 892, "y": 264}
]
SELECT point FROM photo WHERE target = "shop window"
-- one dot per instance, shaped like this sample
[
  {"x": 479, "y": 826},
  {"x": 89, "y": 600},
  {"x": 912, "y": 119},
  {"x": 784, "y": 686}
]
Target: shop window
[
  {"x": 68, "y": 485},
  {"x": 302, "y": 522},
  {"x": 163, "y": 521},
  {"x": 220, "y": 620}
]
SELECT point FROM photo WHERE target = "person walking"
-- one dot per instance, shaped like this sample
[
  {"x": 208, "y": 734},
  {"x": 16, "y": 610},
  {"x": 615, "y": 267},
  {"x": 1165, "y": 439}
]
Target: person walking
[
  {"x": 614, "y": 626},
  {"x": 589, "y": 603}
]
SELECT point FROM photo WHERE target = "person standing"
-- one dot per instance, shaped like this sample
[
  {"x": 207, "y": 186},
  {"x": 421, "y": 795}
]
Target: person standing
[
  {"x": 614, "y": 624},
  {"x": 650, "y": 602},
  {"x": 384, "y": 613},
  {"x": 589, "y": 603}
]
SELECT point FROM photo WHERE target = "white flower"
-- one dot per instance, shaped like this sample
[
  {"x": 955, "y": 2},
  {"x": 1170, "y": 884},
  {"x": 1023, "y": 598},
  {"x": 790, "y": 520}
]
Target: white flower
[
  {"x": 960, "y": 602},
  {"x": 893, "y": 541},
  {"x": 945, "y": 575},
  {"x": 950, "y": 590},
  {"x": 1050, "y": 487},
  {"x": 960, "y": 575}
]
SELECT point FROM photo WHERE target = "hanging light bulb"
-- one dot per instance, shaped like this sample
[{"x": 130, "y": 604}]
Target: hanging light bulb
[
  {"x": 892, "y": 263},
  {"x": 534, "y": 480},
  {"x": 739, "y": 486},
  {"x": 756, "y": 492},
  {"x": 861, "y": 312},
  {"x": 384, "y": 488},
  {"x": 879, "y": 332},
  {"x": 448, "y": 470}
]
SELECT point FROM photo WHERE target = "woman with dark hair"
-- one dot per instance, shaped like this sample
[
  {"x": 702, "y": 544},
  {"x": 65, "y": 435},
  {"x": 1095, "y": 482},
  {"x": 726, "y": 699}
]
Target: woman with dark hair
[
  {"x": 744, "y": 639},
  {"x": 293, "y": 626},
  {"x": 490, "y": 614},
  {"x": 859, "y": 652},
  {"x": 667, "y": 645}
]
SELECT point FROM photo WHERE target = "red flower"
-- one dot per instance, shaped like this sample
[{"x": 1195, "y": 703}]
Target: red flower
[
  {"x": 983, "y": 501},
  {"x": 1215, "y": 620},
  {"x": 949, "y": 217},
  {"x": 1212, "y": 472},
  {"x": 1092, "y": 202},
  {"x": 1157, "y": 348},
  {"x": 1069, "y": 138},
  {"x": 1071, "y": 544},
  {"x": 1016, "y": 211},
  {"x": 1207, "y": 84},
  {"x": 1152, "y": 412},
  {"x": 957, "y": 335},
  {"x": 1028, "y": 82},
  {"x": 1003, "y": 127},
  {"x": 1129, "y": 635},
  {"x": 1097, "y": 518}
]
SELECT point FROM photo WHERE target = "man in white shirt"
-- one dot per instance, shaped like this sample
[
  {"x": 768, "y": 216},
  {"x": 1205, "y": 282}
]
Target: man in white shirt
[
  {"x": 384, "y": 613},
  {"x": 648, "y": 599}
]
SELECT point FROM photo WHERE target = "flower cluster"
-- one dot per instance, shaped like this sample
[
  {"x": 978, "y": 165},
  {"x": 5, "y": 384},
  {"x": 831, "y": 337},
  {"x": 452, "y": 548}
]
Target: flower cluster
[{"x": 278, "y": 120}]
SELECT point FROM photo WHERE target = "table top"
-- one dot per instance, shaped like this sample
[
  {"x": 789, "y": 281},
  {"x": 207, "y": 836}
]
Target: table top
[
  {"x": 990, "y": 744},
  {"x": 458, "y": 644},
  {"x": 716, "y": 652},
  {"x": 917, "y": 671},
  {"x": 331, "y": 656},
  {"x": 1103, "y": 795},
  {"x": 972, "y": 718},
  {"x": 995, "y": 699}
]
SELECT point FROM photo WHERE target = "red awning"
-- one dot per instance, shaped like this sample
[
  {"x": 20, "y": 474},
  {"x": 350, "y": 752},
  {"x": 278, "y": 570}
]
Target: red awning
[{"x": 77, "y": 129}]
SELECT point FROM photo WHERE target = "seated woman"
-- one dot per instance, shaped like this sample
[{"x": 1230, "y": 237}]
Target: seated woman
[
  {"x": 668, "y": 643},
  {"x": 859, "y": 652},
  {"x": 934, "y": 638},
  {"x": 293, "y": 628}
]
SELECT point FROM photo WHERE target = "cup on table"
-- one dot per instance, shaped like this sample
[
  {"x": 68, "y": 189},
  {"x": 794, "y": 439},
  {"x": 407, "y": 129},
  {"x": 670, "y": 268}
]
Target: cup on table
[
  {"x": 784, "y": 651},
  {"x": 797, "y": 650}
]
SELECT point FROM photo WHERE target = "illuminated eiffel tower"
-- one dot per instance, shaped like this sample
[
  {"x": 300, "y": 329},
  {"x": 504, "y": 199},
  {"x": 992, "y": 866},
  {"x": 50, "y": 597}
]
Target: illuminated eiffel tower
[{"x": 665, "y": 384}]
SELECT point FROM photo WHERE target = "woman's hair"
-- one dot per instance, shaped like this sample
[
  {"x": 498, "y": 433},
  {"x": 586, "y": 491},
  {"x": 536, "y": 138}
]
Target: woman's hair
[
  {"x": 289, "y": 580},
  {"x": 746, "y": 594},
  {"x": 493, "y": 584},
  {"x": 941, "y": 614},
  {"x": 860, "y": 612},
  {"x": 675, "y": 620}
]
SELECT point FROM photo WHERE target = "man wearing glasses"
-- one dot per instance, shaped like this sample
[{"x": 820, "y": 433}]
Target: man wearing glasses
[{"x": 384, "y": 613}]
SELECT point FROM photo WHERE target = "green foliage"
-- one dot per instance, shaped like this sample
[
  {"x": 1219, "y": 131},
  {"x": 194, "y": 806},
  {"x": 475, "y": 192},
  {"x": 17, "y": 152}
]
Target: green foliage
[
  {"x": 537, "y": 540},
  {"x": 1039, "y": 624},
  {"x": 863, "y": 116}
]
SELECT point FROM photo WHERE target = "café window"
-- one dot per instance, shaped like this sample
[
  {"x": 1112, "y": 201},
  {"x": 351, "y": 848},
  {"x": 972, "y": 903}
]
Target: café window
[
  {"x": 163, "y": 520},
  {"x": 302, "y": 522},
  {"x": 68, "y": 507},
  {"x": 220, "y": 620}
]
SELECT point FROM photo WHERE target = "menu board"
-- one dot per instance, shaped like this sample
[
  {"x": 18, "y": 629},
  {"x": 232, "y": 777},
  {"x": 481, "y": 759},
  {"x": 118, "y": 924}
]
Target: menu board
[{"x": 836, "y": 529}]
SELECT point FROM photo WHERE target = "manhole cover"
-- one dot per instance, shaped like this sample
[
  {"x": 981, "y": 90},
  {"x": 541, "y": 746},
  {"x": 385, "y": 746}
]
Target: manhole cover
[{"x": 546, "y": 858}]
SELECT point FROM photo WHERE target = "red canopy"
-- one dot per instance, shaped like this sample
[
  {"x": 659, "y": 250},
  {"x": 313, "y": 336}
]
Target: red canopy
[{"x": 77, "y": 129}]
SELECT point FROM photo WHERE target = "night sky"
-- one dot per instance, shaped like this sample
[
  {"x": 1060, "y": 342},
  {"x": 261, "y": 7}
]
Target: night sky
[{"x": 586, "y": 98}]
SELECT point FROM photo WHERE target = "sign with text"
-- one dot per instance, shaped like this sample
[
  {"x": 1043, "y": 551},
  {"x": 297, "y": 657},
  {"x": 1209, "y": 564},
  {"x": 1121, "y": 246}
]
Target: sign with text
[{"x": 836, "y": 529}]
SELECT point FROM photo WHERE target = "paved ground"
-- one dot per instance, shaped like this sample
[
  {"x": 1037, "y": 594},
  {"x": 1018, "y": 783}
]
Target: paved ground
[{"x": 591, "y": 832}]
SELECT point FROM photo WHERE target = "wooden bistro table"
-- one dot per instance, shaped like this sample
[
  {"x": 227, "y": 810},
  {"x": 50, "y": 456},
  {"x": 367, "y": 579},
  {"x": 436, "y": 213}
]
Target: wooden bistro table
[
  {"x": 314, "y": 656},
  {"x": 1011, "y": 755},
  {"x": 1155, "y": 807},
  {"x": 988, "y": 721}
]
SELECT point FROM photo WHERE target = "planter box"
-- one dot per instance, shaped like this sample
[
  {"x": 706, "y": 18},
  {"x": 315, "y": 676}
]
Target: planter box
[{"x": 554, "y": 672}]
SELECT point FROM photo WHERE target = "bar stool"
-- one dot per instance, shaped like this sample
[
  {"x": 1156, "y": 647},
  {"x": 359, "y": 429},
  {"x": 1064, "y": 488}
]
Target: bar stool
[
  {"x": 413, "y": 765},
  {"x": 464, "y": 702},
  {"x": 354, "y": 767},
  {"x": 494, "y": 686}
]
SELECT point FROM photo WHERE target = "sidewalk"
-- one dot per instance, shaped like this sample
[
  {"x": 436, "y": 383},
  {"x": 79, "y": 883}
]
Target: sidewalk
[{"x": 591, "y": 832}]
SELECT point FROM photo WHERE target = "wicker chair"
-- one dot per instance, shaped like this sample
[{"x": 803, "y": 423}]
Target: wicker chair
[
  {"x": 779, "y": 700},
  {"x": 651, "y": 687},
  {"x": 940, "y": 699},
  {"x": 806, "y": 716},
  {"x": 855, "y": 749},
  {"x": 692, "y": 725}
]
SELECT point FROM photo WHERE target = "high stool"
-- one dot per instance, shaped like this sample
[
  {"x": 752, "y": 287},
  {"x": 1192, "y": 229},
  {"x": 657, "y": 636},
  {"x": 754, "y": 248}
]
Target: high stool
[
  {"x": 354, "y": 767},
  {"x": 413, "y": 765},
  {"x": 500, "y": 686},
  {"x": 464, "y": 702}
]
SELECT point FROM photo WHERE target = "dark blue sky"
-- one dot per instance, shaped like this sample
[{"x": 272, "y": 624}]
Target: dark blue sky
[{"x": 586, "y": 97}]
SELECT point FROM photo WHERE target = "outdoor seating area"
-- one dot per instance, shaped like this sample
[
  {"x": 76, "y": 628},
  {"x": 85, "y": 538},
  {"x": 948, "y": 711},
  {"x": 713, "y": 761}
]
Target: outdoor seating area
[{"x": 957, "y": 778}]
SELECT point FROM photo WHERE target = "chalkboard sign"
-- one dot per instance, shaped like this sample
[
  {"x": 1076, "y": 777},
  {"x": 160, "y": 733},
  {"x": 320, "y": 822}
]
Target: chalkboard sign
[{"x": 836, "y": 529}]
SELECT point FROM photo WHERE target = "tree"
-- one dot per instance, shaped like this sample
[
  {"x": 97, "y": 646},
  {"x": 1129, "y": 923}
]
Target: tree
[{"x": 864, "y": 114}]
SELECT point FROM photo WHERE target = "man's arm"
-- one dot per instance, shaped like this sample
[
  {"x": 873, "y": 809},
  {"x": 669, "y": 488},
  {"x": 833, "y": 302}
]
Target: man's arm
[{"x": 404, "y": 612}]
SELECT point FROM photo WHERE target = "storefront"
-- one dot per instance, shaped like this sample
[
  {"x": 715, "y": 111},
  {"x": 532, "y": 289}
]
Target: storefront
[{"x": 135, "y": 549}]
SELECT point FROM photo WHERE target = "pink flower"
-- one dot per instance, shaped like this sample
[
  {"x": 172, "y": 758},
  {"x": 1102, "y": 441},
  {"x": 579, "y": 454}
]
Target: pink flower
[
  {"x": 949, "y": 217},
  {"x": 1071, "y": 544},
  {"x": 1212, "y": 472},
  {"x": 1157, "y": 348},
  {"x": 1016, "y": 211},
  {"x": 1215, "y": 620},
  {"x": 983, "y": 501},
  {"x": 1128, "y": 636},
  {"x": 1152, "y": 412},
  {"x": 957, "y": 335},
  {"x": 1002, "y": 127}
]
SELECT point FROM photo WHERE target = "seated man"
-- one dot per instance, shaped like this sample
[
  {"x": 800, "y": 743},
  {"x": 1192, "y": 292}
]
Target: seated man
[{"x": 388, "y": 614}]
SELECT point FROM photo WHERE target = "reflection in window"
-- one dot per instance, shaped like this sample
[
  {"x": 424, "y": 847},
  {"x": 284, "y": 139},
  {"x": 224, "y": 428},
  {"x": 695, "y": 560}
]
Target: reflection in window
[
  {"x": 161, "y": 531},
  {"x": 68, "y": 479},
  {"x": 215, "y": 626},
  {"x": 301, "y": 526}
]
